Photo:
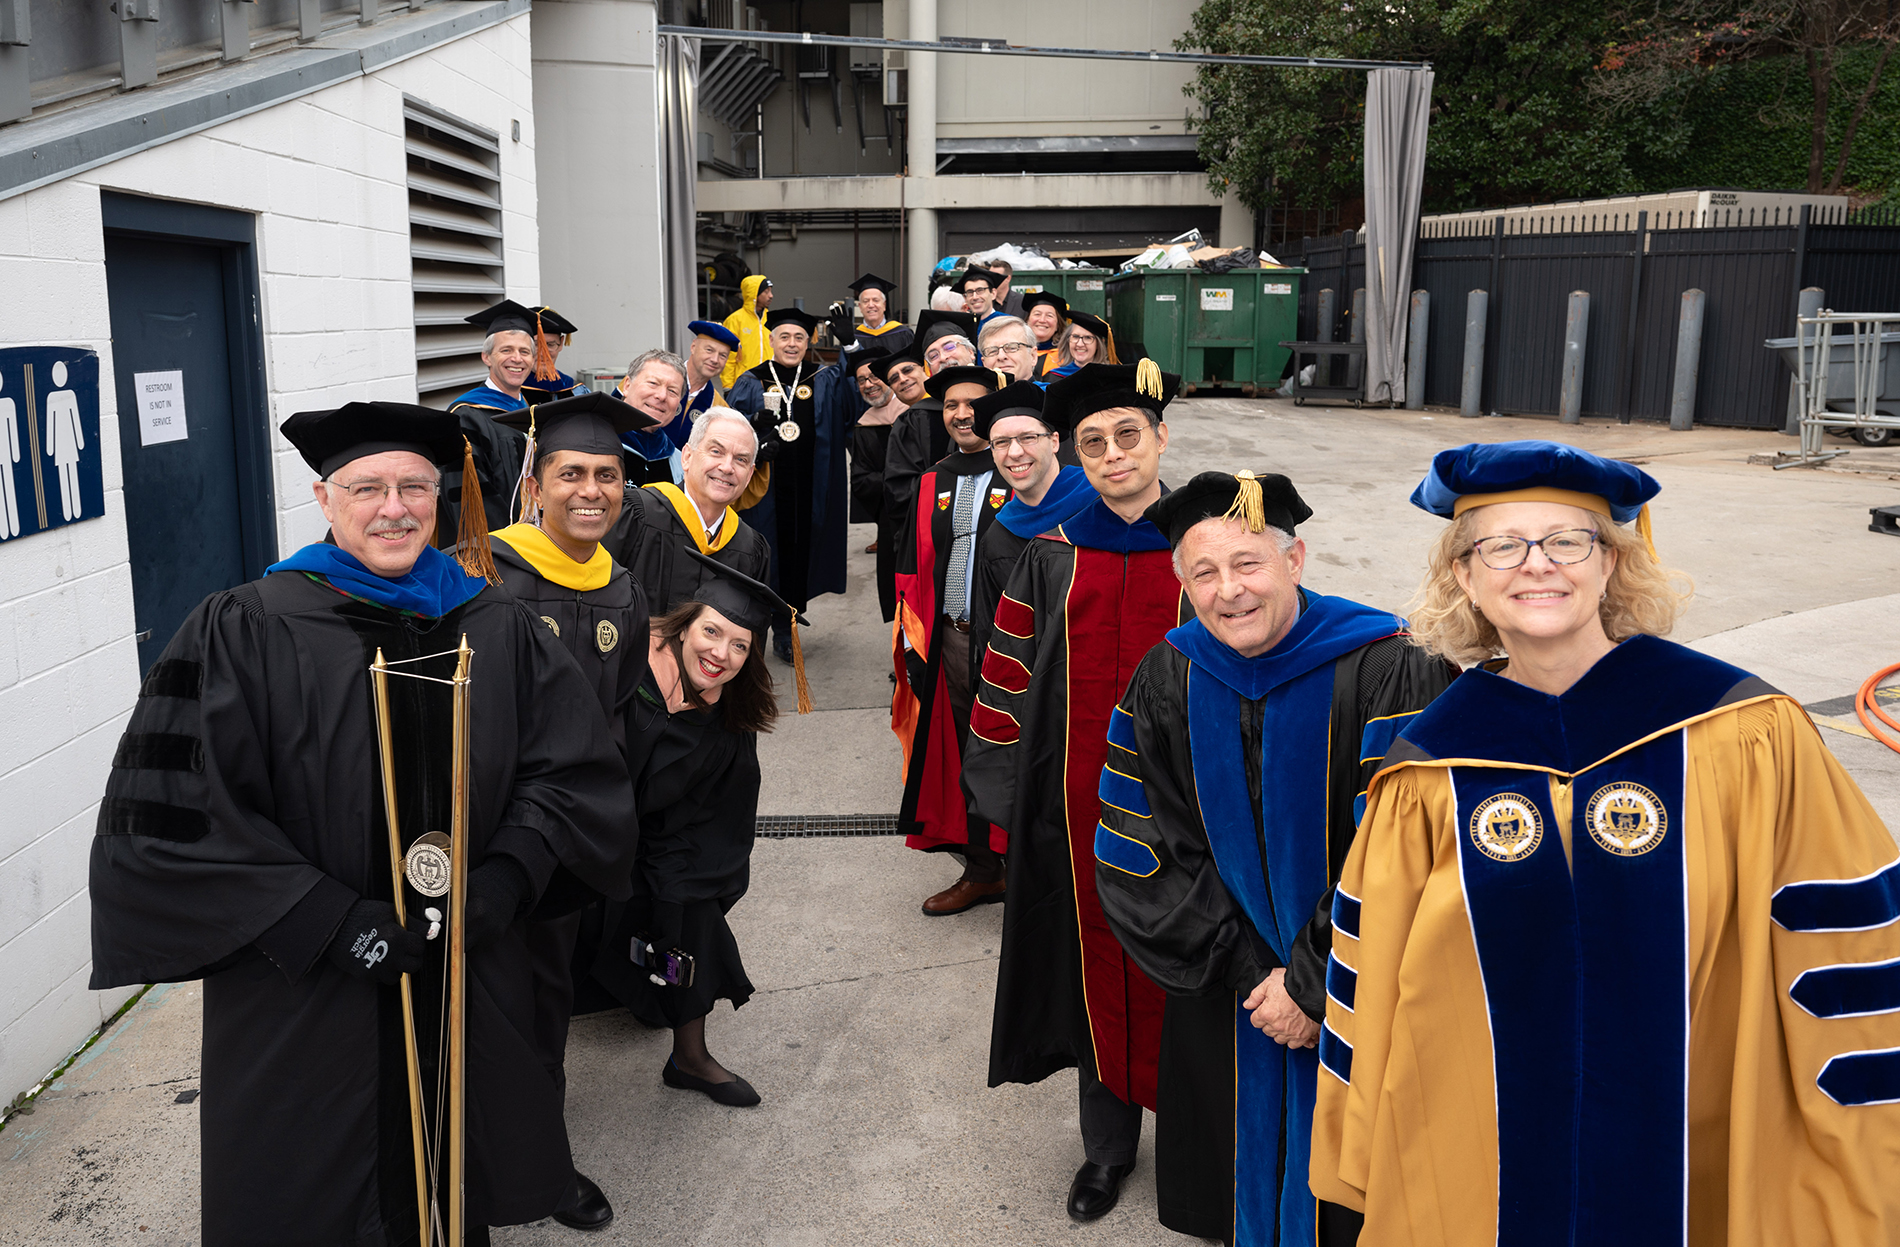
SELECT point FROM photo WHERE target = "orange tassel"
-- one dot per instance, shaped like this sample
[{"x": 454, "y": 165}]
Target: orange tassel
[
  {"x": 544, "y": 369},
  {"x": 798, "y": 670},
  {"x": 471, "y": 541}
]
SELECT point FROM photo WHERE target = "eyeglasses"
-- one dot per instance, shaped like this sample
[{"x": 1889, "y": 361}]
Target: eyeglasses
[
  {"x": 366, "y": 493},
  {"x": 1094, "y": 445},
  {"x": 1026, "y": 440},
  {"x": 1503, "y": 554},
  {"x": 1006, "y": 348}
]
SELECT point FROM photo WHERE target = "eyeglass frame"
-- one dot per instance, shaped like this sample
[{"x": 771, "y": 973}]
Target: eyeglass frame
[
  {"x": 385, "y": 488},
  {"x": 1026, "y": 440},
  {"x": 1132, "y": 433},
  {"x": 1006, "y": 348},
  {"x": 1477, "y": 548}
]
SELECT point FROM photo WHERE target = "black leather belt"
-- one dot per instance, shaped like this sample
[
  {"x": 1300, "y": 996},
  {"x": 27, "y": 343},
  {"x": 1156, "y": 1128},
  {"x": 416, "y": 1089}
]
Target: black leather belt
[{"x": 961, "y": 625}]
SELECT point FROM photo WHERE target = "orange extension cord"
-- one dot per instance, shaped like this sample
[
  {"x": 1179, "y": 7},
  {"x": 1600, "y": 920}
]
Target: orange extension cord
[{"x": 1869, "y": 709}]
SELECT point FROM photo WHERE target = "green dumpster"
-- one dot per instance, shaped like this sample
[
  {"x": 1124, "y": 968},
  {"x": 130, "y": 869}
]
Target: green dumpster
[
  {"x": 1084, "y": 288},
  {"x": 1218, "y": 330}
]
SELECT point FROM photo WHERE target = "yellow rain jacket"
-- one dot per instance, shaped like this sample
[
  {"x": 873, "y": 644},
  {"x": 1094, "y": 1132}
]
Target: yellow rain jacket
[{"x": 750, "y": 326}]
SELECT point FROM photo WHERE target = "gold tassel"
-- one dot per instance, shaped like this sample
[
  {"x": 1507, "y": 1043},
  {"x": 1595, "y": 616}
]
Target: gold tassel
[
  {"x": 798, "y": 669},
  {"x": 1003, "y": 379},
  {"x": 1249, "y": 501},
  {"x": 1148, "y": 381},
  {"x": 1643, "y": 527},
  {"x": 544, "y": 369},
  {"x": 471, "y": 541}
]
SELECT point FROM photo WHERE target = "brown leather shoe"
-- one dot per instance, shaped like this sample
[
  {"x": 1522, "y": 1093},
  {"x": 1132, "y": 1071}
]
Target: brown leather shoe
[
  {"x": 962, "y": 895},
  {"x": 871, "y": 549}
]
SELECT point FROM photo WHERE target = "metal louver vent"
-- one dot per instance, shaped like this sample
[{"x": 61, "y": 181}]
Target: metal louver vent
[{"x": 454, "y": 244}]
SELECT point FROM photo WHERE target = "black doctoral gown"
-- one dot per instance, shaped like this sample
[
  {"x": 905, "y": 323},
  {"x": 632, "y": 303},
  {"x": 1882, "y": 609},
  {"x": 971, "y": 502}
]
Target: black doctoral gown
[
  {"x": 1228, "y": 1164},
  {"x": 918, "y": 439},
  {"x": 696, "y": 785},
  {"x": 805, "y": 508},
  {"x": 604, "y": 630},
  {"x": 243, "y": 817},
  {"x": 651, "y": 534}
]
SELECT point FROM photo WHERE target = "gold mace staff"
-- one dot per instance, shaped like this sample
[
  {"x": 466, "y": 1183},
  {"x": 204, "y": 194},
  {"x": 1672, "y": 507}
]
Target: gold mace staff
[
  {"x": 380, "y": 676},
  {"x": 458, "y": 946}
]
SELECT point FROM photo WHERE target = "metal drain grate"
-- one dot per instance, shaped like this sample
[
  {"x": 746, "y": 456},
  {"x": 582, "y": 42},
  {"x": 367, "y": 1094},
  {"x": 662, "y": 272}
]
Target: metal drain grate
[{"x": 785, "y": 826}]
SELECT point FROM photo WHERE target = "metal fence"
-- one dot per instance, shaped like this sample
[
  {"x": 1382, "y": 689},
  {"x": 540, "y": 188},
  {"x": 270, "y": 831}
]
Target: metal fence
[{"x": 1751, "y": 267}]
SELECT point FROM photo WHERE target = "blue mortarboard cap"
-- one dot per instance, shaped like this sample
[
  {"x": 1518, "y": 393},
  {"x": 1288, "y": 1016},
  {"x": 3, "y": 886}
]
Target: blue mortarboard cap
[
  {"x": 714, "y": 330},
  {"x": 1478, "y": 475}
]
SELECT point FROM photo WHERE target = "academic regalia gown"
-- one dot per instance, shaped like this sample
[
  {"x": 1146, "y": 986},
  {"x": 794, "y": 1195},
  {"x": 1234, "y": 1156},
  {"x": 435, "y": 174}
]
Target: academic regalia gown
[
  {"x": 891, "y": 337},
  {"x": 918, "y": 439},
  {"x": 657, "y": 523},
  {"x": 1017, "y": 524},
  {"x": 1615, "y": 967},
  {"x": 498, "y": 452},
  {"x": 1228, "y": 803},
  {"x": 242, "y": 818},
  {"x": 934, "y": 812},
  {"x": 1085, "y": 603},
  {"x": 803, "y": 512},
  {"x": 599, "y": 616},
  {"x": 696, "y": 786}
]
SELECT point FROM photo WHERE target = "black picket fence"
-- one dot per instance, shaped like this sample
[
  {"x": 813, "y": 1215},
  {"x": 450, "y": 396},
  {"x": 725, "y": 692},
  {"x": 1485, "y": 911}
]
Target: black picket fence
[{"x": 1750, "y": 267}]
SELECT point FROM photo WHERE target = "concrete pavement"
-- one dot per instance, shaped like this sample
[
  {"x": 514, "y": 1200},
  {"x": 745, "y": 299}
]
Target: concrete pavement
[{"x": 869, "y": 1034}]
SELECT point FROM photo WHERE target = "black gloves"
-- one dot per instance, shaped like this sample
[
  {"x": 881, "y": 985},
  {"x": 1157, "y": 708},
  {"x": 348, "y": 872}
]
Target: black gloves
[
  {"x": 498, "y": 892},
  {"x": 372, "y": 945},
  {"x": 765, "y": 426},
  {"x": 916, "y": 671}
]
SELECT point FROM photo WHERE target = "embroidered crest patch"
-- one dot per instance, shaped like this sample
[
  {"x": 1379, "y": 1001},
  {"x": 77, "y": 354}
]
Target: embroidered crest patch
[
  {"x": 997, "y": 498},
  {"x": 802, "y": 392},
  {"x": 552, "y": 626},
  {"x": 1506, "y": 827},
  {"x": 606, "y": 636},
  {"x": 1626, "y": 819},
  {"x": 943, "y": 502}
]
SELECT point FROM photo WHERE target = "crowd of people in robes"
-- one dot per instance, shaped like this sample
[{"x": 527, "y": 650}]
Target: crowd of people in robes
[{"x": 1508, "y": 921}]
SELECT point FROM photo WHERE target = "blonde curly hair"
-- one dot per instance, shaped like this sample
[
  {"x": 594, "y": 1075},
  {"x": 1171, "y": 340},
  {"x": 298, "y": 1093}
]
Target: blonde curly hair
[{"x": 1642, "y": 598}]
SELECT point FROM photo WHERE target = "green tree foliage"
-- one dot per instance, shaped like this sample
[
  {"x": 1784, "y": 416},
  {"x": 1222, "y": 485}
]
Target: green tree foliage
[{"x": 1519, "y": 109}]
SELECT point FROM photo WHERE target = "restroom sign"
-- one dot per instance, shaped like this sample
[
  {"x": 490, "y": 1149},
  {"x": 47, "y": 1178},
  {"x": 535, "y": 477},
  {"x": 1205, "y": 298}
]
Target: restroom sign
[
  {"x": 49, "y": 439},
  {"x": 161, "y": 400}
]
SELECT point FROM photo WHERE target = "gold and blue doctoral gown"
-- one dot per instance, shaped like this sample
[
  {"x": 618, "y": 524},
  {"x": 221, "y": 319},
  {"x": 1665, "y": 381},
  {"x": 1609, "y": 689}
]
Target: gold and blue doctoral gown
[
  {"x": 1616, "y": 967},
  {"x": 1228, "y": 802}
]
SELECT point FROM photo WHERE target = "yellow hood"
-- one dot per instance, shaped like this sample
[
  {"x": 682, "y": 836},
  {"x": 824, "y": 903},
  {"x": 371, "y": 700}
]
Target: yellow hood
[{"x": 749, "y": 290}]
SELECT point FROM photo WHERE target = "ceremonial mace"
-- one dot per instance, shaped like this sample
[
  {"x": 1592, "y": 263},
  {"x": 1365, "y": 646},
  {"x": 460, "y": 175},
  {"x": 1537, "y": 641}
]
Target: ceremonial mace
[{"x": 423, "y": 866}]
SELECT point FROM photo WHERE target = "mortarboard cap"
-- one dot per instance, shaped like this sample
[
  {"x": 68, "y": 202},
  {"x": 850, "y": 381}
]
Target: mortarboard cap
[
  {"x": 882, "y": 365},
  {"x": 858, "y": 354},
  {"x": 871, "y": 281},
  {"x": 588, "y": 423},
  {"x": 751, "y": 604},
  {"x": 932, "y": 325},
  {"x": 1099, "y": 387},
  {"x": 511, "y": 316},
  {"x": 1478, "y": 475},
  {"x": 791, "y": 316},
  {"x": 1264, "y": 500},
  {"x": 329, "y": 439},
  {"x": 714, "y": 330},
  {"x": 1054, "y": 300},
  {"x": 964, "y": 374},
  {"x": 1018, "y": 398},
  {"x": 984, "y": 275},
  {"x": 1093, "y": 324}
]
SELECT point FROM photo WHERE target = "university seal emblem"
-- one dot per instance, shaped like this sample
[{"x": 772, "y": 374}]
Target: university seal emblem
[
  {"x": 606, "y": 636},
  {"x": 426, "y": 864},
  {"x": 553, "y": 627},
  {"x": 1626, "y": 819},
  {"x": 1506, "y": 827}
]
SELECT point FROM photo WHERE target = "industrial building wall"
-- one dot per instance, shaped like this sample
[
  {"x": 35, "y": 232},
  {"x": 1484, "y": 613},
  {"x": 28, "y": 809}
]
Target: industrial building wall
[{"x": 325, "y": 176}]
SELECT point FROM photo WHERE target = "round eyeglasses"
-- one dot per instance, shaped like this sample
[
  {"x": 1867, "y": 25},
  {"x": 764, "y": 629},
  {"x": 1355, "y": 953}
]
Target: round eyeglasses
[
  {"x": 1094, "y": 445},
  {"x": 1569, "y": 545}
]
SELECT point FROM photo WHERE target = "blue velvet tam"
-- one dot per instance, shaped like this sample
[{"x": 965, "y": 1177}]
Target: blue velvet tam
[
  {"x": 1478, "y": 475},
  {"x": 714, "y": 330}
]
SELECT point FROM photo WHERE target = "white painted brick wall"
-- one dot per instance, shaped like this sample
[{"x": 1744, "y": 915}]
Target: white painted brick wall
[{"x": 325, "y": 175}]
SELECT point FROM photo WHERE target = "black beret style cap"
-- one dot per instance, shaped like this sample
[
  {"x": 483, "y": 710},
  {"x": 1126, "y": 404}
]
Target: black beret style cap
[
  {"x": 1054, "y": 300},
  {"x": 858, "y": 354},
  {"x": 1264, "y": 500},
  {"x": 791, "y": 316},
  {"x": 329, "y": 439},
  {"x": 747, "y": 602},
  {"x": 1094, "y": 324},
  {"x": 1098, "y": 387},
  {"x": 988, "y": 277},
  {"x": 1018, "y": 398},
  {"x": 509, "y": 316},
  {"x": 871, "y": 281},
  {"x": 588, "y": 423},
  {"x": 882, "y": 365},
  {"x": 964, "y": 374},
  {"x": 932, "y": 325}
]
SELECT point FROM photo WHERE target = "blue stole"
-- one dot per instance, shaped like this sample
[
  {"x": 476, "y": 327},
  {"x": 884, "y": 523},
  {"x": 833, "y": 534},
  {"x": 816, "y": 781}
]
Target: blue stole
[
  {"x": 1592, "y": 1122},
  {"x": 1096, "y": 527},
  {"x": 432, "y": 588},
  {"x": 488, "y": 396},
  {"x": 1069, "y": 493},
  {"x": 1275, "y": 1086}
]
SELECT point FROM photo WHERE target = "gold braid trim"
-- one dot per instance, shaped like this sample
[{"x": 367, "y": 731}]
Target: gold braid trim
[{"x": 1249, "y": 501}]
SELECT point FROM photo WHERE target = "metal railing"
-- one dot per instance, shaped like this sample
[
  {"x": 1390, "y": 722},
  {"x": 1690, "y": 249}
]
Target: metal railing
[{"x": 1870, "y": 360}]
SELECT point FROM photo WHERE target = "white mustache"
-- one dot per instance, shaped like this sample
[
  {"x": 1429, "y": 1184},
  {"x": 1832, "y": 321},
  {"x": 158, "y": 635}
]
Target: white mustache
[{"x": 407, "y": 523}]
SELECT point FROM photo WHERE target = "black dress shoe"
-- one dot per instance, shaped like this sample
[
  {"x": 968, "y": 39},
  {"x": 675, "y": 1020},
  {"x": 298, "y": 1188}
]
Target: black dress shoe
[
  {"x": 1096, "y": 1189},
  {"x": 585, "y": 1208},
  {"x": 735, "y": 1094}
]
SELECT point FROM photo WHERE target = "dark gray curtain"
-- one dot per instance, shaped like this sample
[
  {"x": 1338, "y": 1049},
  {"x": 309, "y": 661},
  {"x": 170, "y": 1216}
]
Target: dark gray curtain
[
  {"x": 1398, "y": 105},
  {"x": 678, "y": 85}
]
